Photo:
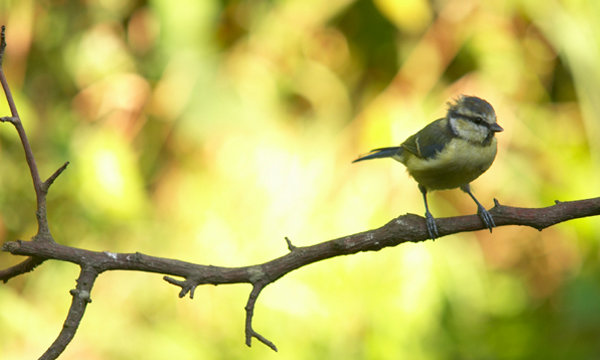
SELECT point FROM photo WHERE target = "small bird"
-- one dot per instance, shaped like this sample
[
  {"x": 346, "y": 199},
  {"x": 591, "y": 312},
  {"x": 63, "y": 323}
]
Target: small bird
[{"x": 449, "y": 152}]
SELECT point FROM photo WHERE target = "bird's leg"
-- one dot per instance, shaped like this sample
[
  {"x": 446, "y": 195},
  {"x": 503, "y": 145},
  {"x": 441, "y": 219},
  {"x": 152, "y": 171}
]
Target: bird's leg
[
  {"x": 429, "y": 220},
  {"x": 485, "y": 216}
]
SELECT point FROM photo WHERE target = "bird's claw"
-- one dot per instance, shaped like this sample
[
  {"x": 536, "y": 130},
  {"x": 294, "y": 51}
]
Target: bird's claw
[
  {"x": 486, "y": 217},
  {"x": 431, "y": 226}
]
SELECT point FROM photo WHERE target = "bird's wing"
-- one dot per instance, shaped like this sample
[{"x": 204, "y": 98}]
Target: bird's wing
[{"x": 430, "y": 140}]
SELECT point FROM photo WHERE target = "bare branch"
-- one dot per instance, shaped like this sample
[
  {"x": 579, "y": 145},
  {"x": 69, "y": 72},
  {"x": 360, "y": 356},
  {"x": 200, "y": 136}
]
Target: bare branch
[
  {"x": 81, "y": 297},
  {"x": 23, "y": 267},
  {"x": 406, "y": 228},
  {"x": 16, "y": 121}
]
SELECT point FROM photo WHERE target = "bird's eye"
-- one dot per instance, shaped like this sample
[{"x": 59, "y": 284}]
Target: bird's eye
[{"x": 478, "y": 120}]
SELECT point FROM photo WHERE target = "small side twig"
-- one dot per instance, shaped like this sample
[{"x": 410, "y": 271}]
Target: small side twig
[
  {"x": 187, "y": 286},
  {"x": 9, "y": 119},
  {"x": 291, "y": 247},
  {"x": 46, "y": 184},
  {"x": 23, "y": 267},
  {"x": 250, "y": 333}
]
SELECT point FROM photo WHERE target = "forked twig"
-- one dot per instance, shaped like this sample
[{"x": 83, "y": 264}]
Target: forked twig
[{"x": 250, "y": 333}]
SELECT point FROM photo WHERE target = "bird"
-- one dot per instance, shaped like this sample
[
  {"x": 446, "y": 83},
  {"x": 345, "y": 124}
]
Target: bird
[{"x": 449, "y": 153}]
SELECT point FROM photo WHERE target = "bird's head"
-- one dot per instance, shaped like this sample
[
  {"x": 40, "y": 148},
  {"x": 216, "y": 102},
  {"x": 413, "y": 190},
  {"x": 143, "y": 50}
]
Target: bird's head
[{"x": 473, "y": 119}]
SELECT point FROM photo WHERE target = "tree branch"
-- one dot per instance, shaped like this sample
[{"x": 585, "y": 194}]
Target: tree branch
[{"x": 406, "y": 228}]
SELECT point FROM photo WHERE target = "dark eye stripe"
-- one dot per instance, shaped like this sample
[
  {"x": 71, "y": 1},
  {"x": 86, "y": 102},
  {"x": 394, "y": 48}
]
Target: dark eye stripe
[{"x": 477, "y": 120}]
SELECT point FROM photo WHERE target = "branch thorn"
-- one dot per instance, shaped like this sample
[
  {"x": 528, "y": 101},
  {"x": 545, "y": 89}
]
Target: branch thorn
[
  {"x": 290, "y": 246},
  {"x": 50, "y": 180}
]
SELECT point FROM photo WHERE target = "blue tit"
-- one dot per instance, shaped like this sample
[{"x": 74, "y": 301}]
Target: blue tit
[{"x": 449, "y": 152}]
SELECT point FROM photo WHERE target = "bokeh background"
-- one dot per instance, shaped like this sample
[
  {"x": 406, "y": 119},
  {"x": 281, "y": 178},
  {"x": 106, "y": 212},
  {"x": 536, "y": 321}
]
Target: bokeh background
[{"x": 209, "y": 130}]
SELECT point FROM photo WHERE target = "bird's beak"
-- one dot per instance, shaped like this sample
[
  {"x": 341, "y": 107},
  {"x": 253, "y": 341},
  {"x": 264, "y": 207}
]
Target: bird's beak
[{"x": 496, "y": 128}]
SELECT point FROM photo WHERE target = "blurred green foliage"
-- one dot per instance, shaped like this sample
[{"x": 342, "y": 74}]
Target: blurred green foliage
[{"x": 209, "y": 130}]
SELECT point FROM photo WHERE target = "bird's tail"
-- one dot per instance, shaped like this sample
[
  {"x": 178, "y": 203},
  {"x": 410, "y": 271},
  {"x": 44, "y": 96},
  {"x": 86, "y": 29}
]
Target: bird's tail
[{"x": 381, "y": 153}]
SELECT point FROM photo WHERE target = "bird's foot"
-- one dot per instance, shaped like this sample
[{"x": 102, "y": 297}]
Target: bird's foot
[
  {"x": 431, "y": 226},
  {"x": 486, "y": 217}
]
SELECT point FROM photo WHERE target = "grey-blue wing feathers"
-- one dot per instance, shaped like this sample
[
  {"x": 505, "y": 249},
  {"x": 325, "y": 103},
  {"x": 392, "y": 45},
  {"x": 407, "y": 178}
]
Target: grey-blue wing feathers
[
  {"x": 430, "y": 141},
  {"x": 425, "y": 144}
]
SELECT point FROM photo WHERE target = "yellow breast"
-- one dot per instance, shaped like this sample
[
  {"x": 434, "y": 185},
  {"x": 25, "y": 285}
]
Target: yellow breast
[{"x": 459, "y": 163}]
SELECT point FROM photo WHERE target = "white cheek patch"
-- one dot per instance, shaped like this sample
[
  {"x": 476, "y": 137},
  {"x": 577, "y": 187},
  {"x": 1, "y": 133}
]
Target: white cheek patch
[
  {"x": 469, "y": 130},
  {"x": 453, "y": 126}
]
